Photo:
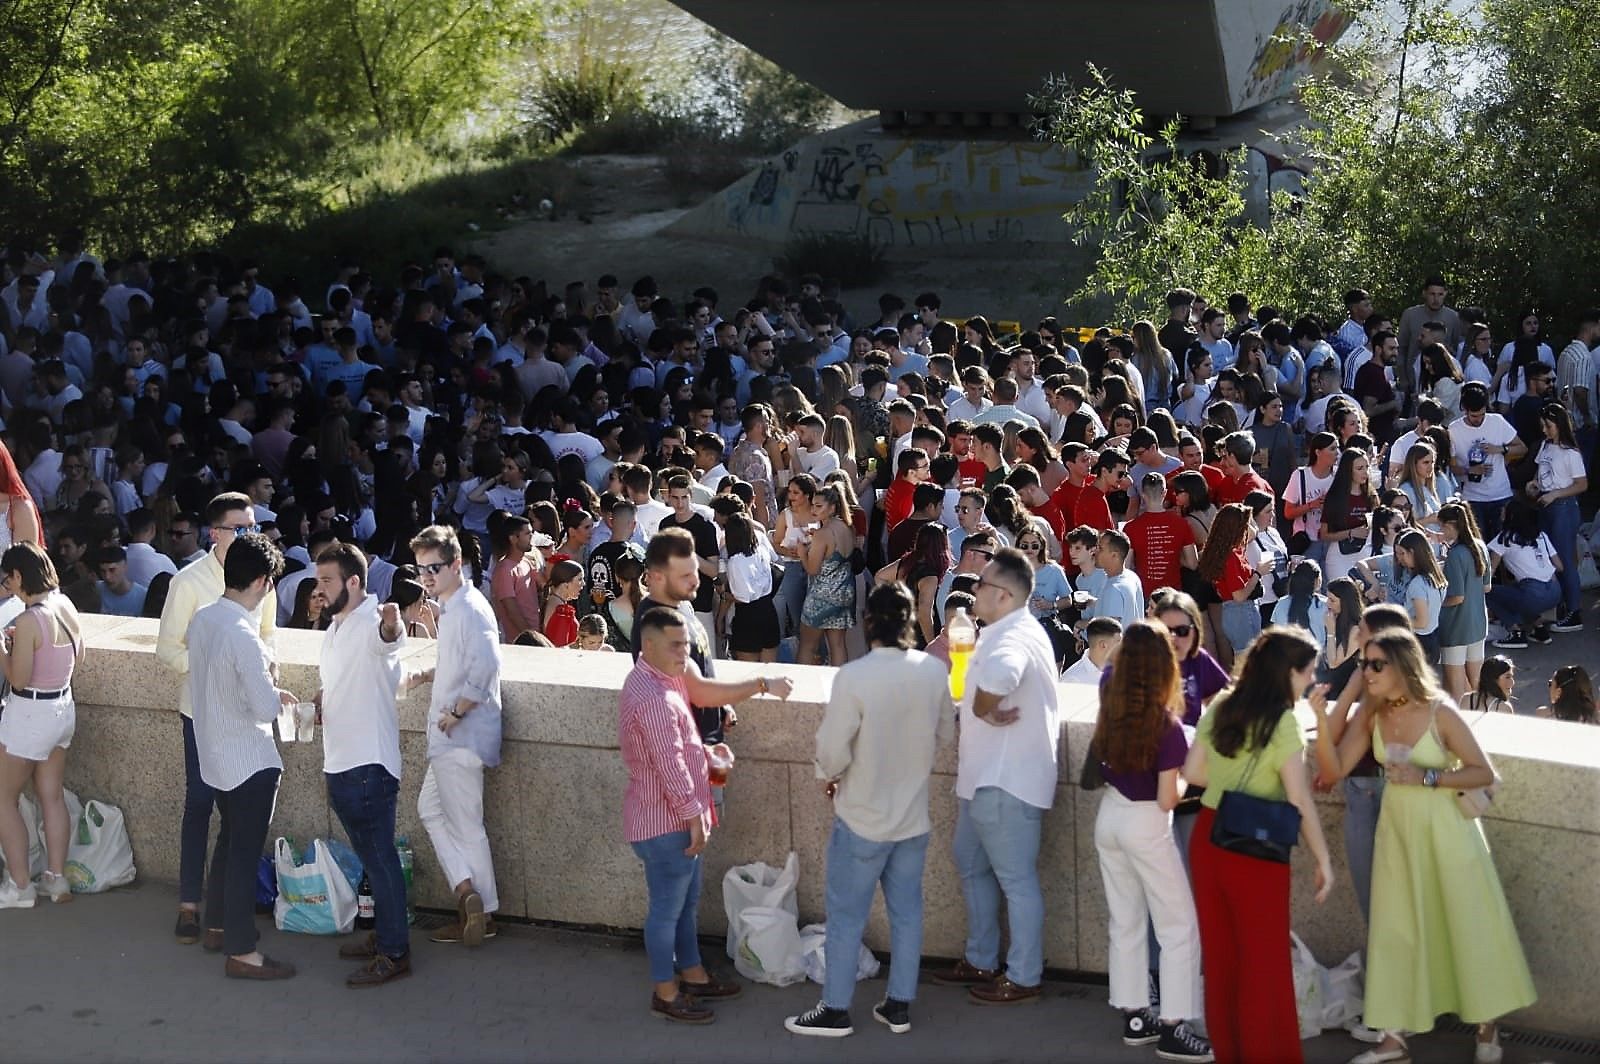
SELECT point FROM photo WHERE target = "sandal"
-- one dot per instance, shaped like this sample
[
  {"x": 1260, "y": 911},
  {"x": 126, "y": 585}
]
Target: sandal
[{"x": 1379, "y": 1055}]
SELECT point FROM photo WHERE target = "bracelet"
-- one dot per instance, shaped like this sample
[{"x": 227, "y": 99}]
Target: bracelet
[
  {"x": 765, "y": 687},
  {"x": 1430, "y": 777},
  {"x": 456, "y": 713}
]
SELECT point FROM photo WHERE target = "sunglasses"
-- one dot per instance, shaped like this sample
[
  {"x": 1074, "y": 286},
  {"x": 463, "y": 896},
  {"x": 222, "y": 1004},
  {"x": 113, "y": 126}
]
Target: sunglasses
[
  {"x": 433, "y": 568},
  {"x": 1181, "y": 631},
  {"x": 981, "y": 552},
  {"x": 1375, "y": 664},
  {"x": 239, "y": 530}
]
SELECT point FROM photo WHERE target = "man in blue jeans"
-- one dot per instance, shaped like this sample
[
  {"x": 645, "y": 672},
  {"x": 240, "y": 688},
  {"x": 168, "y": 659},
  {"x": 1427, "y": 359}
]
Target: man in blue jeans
[
  {"x": 1005, "y": 780},
  {"x": 360, "y": 666},
  {"x": 199, "y": 584},
  {"x": 887, "y": 715}
]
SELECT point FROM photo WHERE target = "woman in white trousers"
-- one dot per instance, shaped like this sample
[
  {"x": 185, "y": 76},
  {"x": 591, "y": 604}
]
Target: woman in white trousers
[{"x": 1140, "y": 745}]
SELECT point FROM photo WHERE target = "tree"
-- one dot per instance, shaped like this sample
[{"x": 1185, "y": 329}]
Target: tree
[{"x": 1461, "y": 143}]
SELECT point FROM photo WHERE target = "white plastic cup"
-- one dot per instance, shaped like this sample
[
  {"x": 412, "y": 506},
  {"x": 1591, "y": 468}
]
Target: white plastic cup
[{"x": 305, "y": 718}]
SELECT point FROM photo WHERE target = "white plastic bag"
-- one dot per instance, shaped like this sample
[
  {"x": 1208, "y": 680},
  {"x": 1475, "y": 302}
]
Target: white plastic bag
[
  {"x": 768, "y": 946},
  {"x": 760, "y": 885},
  {"x": 100, "y": 856},
  {"x": 314, "y": 898},
  {"x": 1346, "y": 998},
  {"x": 36, "y": 854},
  {"x": 1310, "y": 987},
  {"x": 813, "y": 949}
]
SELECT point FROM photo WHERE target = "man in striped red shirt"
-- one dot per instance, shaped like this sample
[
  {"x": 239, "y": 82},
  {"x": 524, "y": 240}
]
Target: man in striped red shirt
[{"x": 667, "y": 812}]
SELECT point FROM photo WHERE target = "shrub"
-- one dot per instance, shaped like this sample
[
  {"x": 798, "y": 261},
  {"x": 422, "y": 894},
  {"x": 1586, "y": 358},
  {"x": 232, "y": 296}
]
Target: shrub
[{"x": 853, "y": 259}]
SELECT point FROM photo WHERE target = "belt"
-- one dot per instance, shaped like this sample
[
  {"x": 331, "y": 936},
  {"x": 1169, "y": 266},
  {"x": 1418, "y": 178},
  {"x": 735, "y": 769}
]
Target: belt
[
  {"x": 42, "y": 696},
  {"x": 1366, "y": 773}
]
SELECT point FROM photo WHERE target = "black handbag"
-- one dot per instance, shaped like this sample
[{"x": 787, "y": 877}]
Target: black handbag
[{"x": 1255, "y": 827}]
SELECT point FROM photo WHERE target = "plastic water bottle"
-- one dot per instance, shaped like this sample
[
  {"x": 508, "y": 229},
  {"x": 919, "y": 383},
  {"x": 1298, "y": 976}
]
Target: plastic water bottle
[
  {"x": 963, "y": 636},
  {"x": 1476, "y": 456}
]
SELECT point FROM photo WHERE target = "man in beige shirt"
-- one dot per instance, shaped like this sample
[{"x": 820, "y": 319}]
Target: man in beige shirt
[{"x": 887, "y": 715}]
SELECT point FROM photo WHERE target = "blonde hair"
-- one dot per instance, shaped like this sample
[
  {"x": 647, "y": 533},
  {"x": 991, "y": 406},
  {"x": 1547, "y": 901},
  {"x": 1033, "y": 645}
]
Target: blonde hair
[{"x": 440, "y": 539}]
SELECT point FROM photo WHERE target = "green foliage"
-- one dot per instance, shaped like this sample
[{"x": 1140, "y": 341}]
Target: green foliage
[
  {"x": 1158, "y": 218},
  {"x": 854, "y": 259},
  {"x": 1456, "y": 143},
  {"x": 172, "y": 123}
]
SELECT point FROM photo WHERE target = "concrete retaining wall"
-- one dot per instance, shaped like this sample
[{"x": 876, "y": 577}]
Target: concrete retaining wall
[{"x": 554, "y": 809}]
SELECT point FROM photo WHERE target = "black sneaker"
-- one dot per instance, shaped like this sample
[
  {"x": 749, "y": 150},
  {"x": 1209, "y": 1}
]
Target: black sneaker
[
  {"x": 1572, "y": 622},
  {"x": 1179, "y": 1042},
  {"x": 821, "y": 1022},
  {"x": 1514, "y": 639},
  {"x": 1139, "y": 1028},
  {"x": 895, "y": 1015},
  {"x": 1541, "y": 635}
]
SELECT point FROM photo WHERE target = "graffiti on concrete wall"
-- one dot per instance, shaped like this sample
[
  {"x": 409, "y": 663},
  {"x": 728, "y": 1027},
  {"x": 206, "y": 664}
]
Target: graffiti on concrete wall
[
  {"x": 908, "y": 193},
  {"x": 1263, "y": 66}
]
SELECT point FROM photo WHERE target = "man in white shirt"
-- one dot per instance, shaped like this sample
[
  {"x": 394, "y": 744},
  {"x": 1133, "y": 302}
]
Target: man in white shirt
[
  {"x": 708, "y": 460},
  {"x": 1481, "y": 446},
  {"x": 463, "y": 735},
  {"x": 564, "y": 437},
  {"x": 1005, "y": 780},
  {"x": 807, "y": 453},
  {"x": 235, "y": 701},
  {"x": 974, "y": 383},
  {"x": 1005, "y": 407},
  {"x": 229, "y": 516},
  {"x": 145, "y": 563},
  {"x": 1031, "y": 399},
  {"x": 1351, "y": 336},
  {"x": 1101, "y": 639},
  {"x": 360, "y": 669},
  {"x": 417, "y": 415}
]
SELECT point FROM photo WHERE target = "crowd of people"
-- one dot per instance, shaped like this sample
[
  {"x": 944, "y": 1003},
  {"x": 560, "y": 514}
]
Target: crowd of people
[{"x": 452, "y": 453}]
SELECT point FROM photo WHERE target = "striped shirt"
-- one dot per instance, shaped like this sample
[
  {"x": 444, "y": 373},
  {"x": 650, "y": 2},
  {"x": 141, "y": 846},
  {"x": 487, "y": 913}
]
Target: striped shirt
[
  {"x": 1575, "y": 369},
  {"x": 230, "y": 686},
  {"x": 661, "y": 748}
]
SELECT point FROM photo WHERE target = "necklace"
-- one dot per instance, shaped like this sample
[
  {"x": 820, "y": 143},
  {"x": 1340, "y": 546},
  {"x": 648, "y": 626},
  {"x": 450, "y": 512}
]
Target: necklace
[{"x": 1396, "y": 703}]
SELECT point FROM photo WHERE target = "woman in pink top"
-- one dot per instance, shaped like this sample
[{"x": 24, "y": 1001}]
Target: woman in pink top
[{"x": 38, "y": 722}]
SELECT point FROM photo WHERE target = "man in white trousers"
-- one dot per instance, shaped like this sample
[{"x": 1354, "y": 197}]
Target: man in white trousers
[{"x": 463, "y": 734}]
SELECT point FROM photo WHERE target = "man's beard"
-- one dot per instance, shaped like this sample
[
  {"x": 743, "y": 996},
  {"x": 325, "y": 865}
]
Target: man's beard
[{"x": 337, "y": 606}]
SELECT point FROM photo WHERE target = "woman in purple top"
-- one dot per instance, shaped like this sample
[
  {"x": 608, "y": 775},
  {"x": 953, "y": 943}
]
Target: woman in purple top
[
  {"x": 1202, "y": 676},
  {"x": 1140, "y": 744}
]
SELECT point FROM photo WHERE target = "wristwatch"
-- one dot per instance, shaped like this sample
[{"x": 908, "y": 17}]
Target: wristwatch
[
  {"x": 1430, "y": 777},
  {"x": 765, "y": 686}
]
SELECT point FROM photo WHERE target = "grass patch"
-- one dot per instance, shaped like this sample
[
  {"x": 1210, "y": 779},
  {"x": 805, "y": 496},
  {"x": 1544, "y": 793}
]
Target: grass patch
[{"x": 399, "y": 211}]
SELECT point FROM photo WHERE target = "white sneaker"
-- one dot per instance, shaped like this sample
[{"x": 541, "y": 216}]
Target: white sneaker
[
  {"x": 15, "y": 897},
  {"x": 1362, "y": 1033},
  {"x": 54, "y": 887}
]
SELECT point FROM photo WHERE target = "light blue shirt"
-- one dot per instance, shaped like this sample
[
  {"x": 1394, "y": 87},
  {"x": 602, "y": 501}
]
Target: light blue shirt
[
  {"x": 1049, "y": 582},
  {"x": 235, "y": 701},
  {"x": 1122, "y": 597}
]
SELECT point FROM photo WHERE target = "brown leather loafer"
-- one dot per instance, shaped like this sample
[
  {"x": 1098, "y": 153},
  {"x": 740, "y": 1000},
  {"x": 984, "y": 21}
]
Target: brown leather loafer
[
  {"x": 267, "y": 969},
  {"x": 681, "y": 1009},
  {"x": 187, "y": 931},
  {"x": 1004, "y": 992},
  {"x": 472, "y": 919},
  {"x": 211, "y": 940},
  {"x": 963, "y": 974},
  {"x": 379, "y": 970},
  {"x": 453, "y": 932},
  {"x": 363, "y": 948},
  {"x": 716, "y": 989}
]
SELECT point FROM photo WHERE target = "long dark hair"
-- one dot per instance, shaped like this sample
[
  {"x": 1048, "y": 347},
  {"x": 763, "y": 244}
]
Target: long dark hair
[
  {"x": 1336, "y": 512},
  {"x": 891, "y": 609},
  {"x": 1303, "y": 583},
  {"x": 1575, "y": 695},
  {"x": 1459, "y": 516},
  {"x": 1344, "y": 589},
  {"x": 1247, "y": 713},
  {"x": 929, "y": 554}
]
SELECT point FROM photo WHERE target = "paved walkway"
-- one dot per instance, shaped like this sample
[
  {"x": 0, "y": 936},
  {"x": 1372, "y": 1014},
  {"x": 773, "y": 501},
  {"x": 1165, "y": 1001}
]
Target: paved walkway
[{"x": 101, "y": 979}]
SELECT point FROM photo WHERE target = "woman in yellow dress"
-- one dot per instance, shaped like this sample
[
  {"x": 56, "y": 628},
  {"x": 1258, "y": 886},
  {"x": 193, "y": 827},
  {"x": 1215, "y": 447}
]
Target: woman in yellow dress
[{"x": 1441, "y": 937}]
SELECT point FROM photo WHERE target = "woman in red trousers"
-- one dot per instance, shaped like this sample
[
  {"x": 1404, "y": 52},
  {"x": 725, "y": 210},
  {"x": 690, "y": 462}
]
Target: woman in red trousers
[{"x": 1250, "y": 741}]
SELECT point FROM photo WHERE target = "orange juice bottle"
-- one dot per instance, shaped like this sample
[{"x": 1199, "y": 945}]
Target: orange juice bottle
[{"x": 963, "y": 636}]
